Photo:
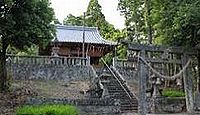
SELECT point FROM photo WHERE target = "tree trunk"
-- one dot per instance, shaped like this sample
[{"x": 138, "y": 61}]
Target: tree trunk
[
  {"x": 198, "y": 77},
  {"x": 3, "y": 70},
  {"x": 148, "y": 20}
]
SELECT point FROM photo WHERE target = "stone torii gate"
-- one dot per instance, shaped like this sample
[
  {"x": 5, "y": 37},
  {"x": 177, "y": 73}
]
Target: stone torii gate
[{"x": 150, "y": 56}]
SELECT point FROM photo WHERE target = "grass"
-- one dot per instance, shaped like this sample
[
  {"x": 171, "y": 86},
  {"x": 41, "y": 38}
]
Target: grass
[
  {"x": 47, "y": 110},
  {"x": 173, "y": 93}
]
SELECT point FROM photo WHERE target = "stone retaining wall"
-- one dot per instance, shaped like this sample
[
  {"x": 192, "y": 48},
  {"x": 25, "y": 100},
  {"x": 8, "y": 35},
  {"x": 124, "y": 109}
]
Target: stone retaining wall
[
  {"x": 51, "y": 72},
  {"x": 90, "y": 106},
  {"x": 128, "y": 73},
  {"x": 163, "y": 105}
]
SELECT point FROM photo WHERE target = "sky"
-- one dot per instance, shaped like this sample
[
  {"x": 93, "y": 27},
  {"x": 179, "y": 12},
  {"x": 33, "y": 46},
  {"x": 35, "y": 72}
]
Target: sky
[{"x": 76, "y": 7}]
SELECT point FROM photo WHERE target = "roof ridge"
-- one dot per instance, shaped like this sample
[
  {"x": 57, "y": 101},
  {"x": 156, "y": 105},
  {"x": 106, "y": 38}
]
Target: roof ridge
[
  {"x": 76, "y": 27},
  {"x": 75, "y": 34}
]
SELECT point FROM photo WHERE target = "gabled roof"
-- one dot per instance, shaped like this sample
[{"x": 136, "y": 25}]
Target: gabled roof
[{"x": 74, "y": 34}]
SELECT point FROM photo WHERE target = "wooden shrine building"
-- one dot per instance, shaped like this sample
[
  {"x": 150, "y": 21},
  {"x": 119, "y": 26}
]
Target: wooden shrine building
[{"x": 72, "y": 41}]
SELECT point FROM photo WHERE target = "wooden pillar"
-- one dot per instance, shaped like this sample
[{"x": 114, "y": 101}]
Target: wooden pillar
[
  {"x": 142, "y": 107},
  {"x": 188, "y": 86},
  {"x": 88, "y": 60}
]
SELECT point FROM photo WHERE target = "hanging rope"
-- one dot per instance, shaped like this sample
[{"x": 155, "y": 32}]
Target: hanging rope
[{"x": 163, "y": 76}]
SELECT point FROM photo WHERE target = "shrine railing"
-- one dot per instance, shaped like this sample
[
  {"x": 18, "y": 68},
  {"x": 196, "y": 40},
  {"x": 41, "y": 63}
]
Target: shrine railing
[
  {"x": 39, "y": 60},
  {"x": 125, "y": 63}
]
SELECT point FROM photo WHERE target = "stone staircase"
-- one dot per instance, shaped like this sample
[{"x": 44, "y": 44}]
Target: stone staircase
[{"x": 116, "y": 88}]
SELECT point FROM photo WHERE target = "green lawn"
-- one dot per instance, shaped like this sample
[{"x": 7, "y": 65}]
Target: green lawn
[
  {"x": 172, "y": 93},
  {"x": 48, "y": 110}
]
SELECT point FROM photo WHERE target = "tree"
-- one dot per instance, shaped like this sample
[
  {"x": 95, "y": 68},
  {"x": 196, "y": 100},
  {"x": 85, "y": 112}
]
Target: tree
[
  {"x": 73, "y": 20},
  {"x": 93, "y": 18},
  {"x": 94, "y": 14},
  {"x": 56, "y": 21},
  {"x": 23, "y": 23},
  {"x": 163, "y": 15},
  {"x": 185, "y": 26},
  {"x": 174, "y": 23},
  {"x": 177, "y": 22},
  {"x": 169, "y": 22},
  {"x": 148, "y": 20},
  {"x": 138, "y": 22}
]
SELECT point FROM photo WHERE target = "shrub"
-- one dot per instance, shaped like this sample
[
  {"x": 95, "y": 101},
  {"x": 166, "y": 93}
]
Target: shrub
[
  {"x": 47, "y": 110},
  {"x": 173, "y": 93}
]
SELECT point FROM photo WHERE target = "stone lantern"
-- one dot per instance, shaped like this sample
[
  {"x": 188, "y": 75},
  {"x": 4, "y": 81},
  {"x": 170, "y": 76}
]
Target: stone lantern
[
  {"x": 55, "y": 48},
  {"x": 156, "y": 82}
]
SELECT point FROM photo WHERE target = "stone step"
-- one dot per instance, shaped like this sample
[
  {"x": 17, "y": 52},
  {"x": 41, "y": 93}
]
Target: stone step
[
  {"x": 129, "y": 103},
  {"x": 129, "y": 106},
  {"x": 114, "y": 87},
  {"x": 123, "y": 109},
  {"x": 113, "y": 81},
  {"x": 108, "y": 82},
  {"x": 128, "y": 109},
  {"x": 111, "y": 85},
  {"x": 116, "y": 96},
  {"x": 122, "y": 94},
  {"x": 129, "y": 100},
  {"x": 117, "y": 91},
  {"x": 133, "y": 106},
  {"x": 111, "y": 77}
]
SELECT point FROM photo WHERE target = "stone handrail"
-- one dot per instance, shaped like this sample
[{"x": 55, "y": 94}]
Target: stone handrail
[
  {"x": 122, "y": 79},
  {"x": 118, "y": 80},
  {"x": 37, "y": 60}
]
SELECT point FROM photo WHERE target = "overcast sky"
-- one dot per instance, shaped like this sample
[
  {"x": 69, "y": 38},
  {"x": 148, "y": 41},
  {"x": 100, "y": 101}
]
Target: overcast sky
[{"x": 76, "y": 7}]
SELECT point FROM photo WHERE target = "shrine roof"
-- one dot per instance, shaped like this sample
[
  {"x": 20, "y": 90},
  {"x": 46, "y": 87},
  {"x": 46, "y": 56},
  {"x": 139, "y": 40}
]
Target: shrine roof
[{"x": 74, "y": 34}]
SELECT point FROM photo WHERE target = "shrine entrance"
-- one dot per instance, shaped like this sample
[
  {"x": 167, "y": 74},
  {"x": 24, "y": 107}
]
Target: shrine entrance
[{"x": 163, "y": 67}]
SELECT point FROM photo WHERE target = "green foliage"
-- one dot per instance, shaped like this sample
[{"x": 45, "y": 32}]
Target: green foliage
[
  {"x": 26, "y": 23},
  {"x": 187, "y": 24},
  {"x": 94, "y": 14},
  {"x": 122, "y": 52},
  {"x": 56, "y": 21},
  {"x": 173, "y": 93},
  {"x": 173, "y": 22},
  {"x": 94, "y": 18},
  {"x": 31, "y": 51},
  {"x": 47, "y": 110},
  {"x": 134, "y": 13},
  {"x": 108, "y": 59},
  {"x": 22, "y": 24},
  {"x": 72, "y": 20}
]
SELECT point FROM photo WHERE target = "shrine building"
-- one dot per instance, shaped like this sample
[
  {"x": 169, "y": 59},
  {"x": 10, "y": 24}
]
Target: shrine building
[{"x": 78, "y": 41}]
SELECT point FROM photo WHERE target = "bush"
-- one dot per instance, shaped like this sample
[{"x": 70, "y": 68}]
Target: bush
[
  {"x": 173, "y": 93},
  {"x": 47, "y": 110}
]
